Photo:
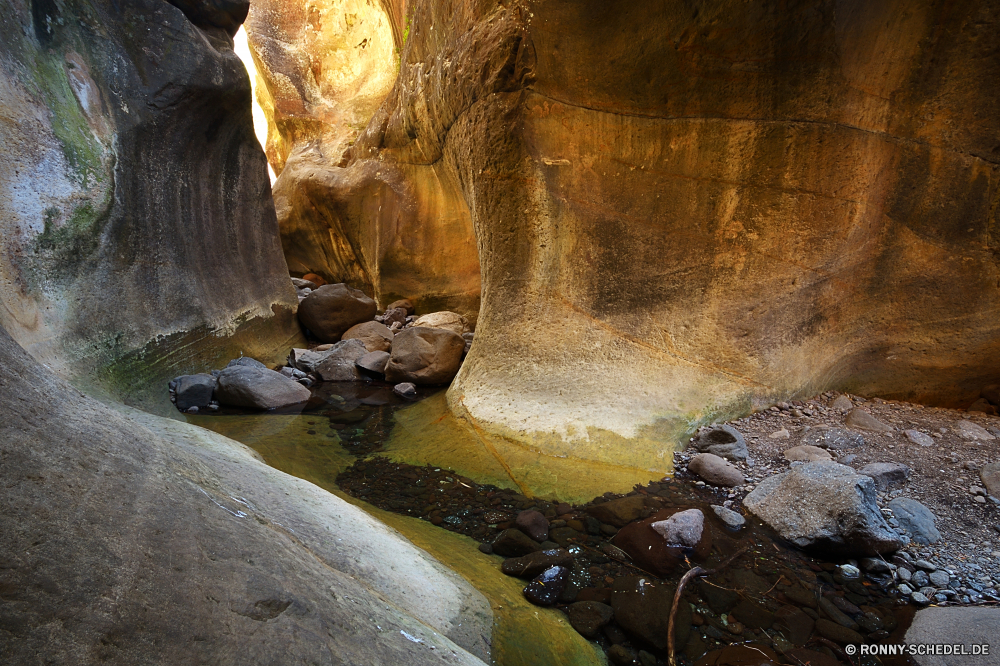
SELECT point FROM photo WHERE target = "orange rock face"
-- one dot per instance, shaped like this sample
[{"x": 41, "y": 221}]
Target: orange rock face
[
  {"x": 392, "y": 227},
  {"x": 685, "y": 212}
]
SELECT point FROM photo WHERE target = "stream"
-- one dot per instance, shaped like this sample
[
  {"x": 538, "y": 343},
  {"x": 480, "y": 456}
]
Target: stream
[{"x": 452, "y": 490}]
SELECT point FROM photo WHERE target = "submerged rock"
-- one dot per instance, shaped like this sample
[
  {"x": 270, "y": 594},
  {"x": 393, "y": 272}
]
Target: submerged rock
[
  {"x": 642, "y": 608},
  {"x": 332, "y": 309},
  {"x": 534, "y": 524},
  {"x": 256, "y": 388},
  {"x": 650, "y": 551},
  {"x": 547, "y": 587},
  {"x": 729, "y": 517},
  {"x": 532, "y": 564},
  {"x": 824, "y": 505},
  {"x": 514, "y": 543},
  {"x": 405, "y": 390},
  {"x": 425, "y": 356},
  {"x": 724, "y": 441},
  {"x": 589, "y": 617}
]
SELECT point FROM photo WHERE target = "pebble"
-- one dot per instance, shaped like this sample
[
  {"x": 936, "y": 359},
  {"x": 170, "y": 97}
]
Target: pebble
[
  {"x": 729, "y": 517},
  {"x": 547, "y": 587},
  {"x": 919, "y": 598}
]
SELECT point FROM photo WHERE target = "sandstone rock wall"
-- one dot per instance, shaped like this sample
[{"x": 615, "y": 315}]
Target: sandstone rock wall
[
  {"x": 137, "y": 220},
  {"x": 397, "y": 227},
  {"x": 685, "y": 210}
]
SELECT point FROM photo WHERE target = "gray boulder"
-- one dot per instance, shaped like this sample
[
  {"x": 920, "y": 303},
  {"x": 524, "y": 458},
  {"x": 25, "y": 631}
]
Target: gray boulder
[
  {"x": 255, "y": 388},
  {"x": 832, "y": 438},
  {"x": 965, "y": 626},
  {"x": 724, "y": 441},
  {"x": 336, "y": 364},
  {"x": 729, "y": 517},
  {"x": 425, "y": 356},
  {"x": 333, "y": 308},
  {"x": 824, "y": 505},
  {"x": 919, "y": 438},
  {"x": 194, "y": 390},
  {"x": 713, "y": 469},
  {"x": 915, "y": 520},
  {"x": 862, "y": 420},
  {"x": 886, "y": 474}
]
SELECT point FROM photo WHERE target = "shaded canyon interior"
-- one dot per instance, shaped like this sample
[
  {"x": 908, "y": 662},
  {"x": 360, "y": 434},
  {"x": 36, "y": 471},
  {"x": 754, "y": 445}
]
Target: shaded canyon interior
[{"x": 655, "y": 215}]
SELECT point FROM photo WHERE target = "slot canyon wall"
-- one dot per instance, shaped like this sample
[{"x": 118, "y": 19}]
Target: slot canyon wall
[
  {"x": 685, "y": 210},
  {"x": 139, "y": 234}
]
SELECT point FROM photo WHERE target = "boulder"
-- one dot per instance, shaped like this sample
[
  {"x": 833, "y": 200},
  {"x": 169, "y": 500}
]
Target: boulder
[
  {"x": 824, "y": 506},
  {"x": 246, "y": 362},
  {"x": 426, "y": 356},
  {"x": 684, "y": 528},
  {"x": 534, "y": 524},
  {"x": 256, "y": 388},
  {"x": 532, "y": 564},
  {"x": 842, "y": 404},
  {"x": 969, "y": 430},
  {"x": 959, "y": 626},
  {"x": 724, "y": 441},
  {"x": 715, "y": 470},
  {"x": 376, "y": 336},
  {"x": 589, "y": 617},
  {"x": 447, "y": 320},
  {"x": 318, "y": 280},
  {"x": 886, "y": 475},
  {"x": 990, "y": 476},
  {"x": 806, "y": 453},
  {"x": 983, "y": 405},
  {"x": 915, "y": 520},
  {"x": 194, "y": 391},
  {"x": 373, "y": 362},
  {"x": 618, "y": 512},
  {"x": 642, "y": 608},
  {"x": 862, "y": 420},
  {"x": 299, "y": 283},
  {"x": 919, "y": 438},
  {"x": 514, "y": 543},
  {"x": 394, "y": 316},
  {"x": 336, "y": 364},
  {"x": 332, "y": 309},
  {"x": 832, "y": 438},
  {"x": 403, "y": 304}
]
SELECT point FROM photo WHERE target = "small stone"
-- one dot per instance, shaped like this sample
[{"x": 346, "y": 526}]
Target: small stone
[
  {"x": 589, "y": 617},
  {"x": 875, "y": 565},
  {"x": 729, "y": 517},
  {"x": 715, "y": 470},
  {"x": 919, "y": 579},
  {"x": 919, "y": 599},
  {"x": 904, "y": 574},
  {"x": 722, "y": 440},
  {"x": 547, "y": 587},
  {"x": 925, "y": 565},
  {"x": 780, "y": 434},
  {"x": 514, "y": 543},
  {"x": 405, "y": 390},
  {"x": 916, "y": 519},
  {"x": 980, "y": 499},
  {"x": 842, "y": 404},
  {"x": 970, "y": 430},
  {"x": 862, "y": 420},
  {"x": 919, "y": 438},
  {"x": 832, "y": 438},
  {"x": 904, "y": 589},
  {"x": 534, "y": 524},
  {"x": 532, "y": 564},
  {"x": 886, "y": 474},
  {"x": 486, "y": 548},
  {"x": 684, "y": 528},
  {"x": 990, "y": 477},
  {"x": 618, "y": 512},
  {"x": 939, "y": 578},
  {"x": 849, "y": 571}
]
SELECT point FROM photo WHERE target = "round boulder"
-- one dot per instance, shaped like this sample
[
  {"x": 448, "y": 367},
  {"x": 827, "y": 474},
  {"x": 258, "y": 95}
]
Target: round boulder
[
  {"x": 715, "y": 470},
  {"x": 376, "y": 336},
  {"x": 333, "y": 308},
  {"x": 425, "y": 356},
  {"x": 444, "y": 319},
  {"x": 258, "y": 388},
  {"x": 724, "y": 441}
]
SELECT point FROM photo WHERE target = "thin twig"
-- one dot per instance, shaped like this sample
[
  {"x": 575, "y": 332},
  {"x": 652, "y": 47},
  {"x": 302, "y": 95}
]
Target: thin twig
[{"x": 692, "y": 573}]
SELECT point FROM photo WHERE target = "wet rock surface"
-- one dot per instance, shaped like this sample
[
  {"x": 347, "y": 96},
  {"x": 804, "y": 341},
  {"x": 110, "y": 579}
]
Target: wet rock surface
[{"x": 258, "y": 388}]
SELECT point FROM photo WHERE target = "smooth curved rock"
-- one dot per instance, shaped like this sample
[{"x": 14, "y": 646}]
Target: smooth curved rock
[
  {"x": 806, "y": 453},
  {"x": 824, "y": 506},
  {"x": 137, "y": 221},
  {"x": 955, "y": 626},
  {"x": 202, "y": 545},
  {"x": 376, "y": 336},
  {"x": 425, "y": 356},
  {"x": 723, "y": 440},
  {"x": 334, "y": 308},
  {"x": 373, "y": 362},
  {"x": 256, "y": 388},
  {"x": 194, "y": 390}
]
